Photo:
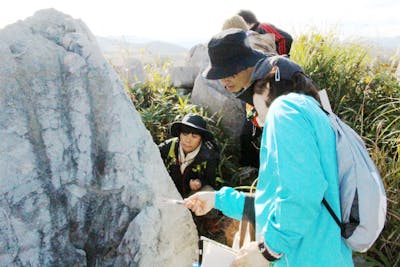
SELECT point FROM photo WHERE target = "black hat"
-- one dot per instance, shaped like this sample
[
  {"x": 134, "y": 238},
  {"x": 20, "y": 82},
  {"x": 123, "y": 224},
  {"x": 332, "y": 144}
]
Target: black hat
[
  {"x": 286, "y": 69},
  {"x": 230, "y": 53},
  {"x": 193, "y": 121}
]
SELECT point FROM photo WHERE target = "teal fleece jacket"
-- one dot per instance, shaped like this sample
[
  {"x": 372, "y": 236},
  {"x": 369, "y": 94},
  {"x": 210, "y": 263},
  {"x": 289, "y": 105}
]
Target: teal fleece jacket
[{"x": 298, "y": 167}]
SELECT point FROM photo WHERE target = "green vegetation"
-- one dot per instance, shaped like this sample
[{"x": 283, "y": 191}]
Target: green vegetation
[
  {"x": 363, "y": 92},
  {"x": 159, "y": 105}
]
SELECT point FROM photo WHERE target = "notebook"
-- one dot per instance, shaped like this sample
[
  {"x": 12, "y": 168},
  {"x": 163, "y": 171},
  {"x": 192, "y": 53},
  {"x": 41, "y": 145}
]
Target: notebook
[{"x": 215, "y": 254}]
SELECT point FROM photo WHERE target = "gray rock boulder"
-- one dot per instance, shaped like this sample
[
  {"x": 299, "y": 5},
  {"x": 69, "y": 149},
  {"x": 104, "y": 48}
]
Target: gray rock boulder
[
  {"x": 196, "y": 61},
  {"x": 184, "y": 76},
  {"x": 81, "y": 180},
  {"x": 217, "y": 100},
  {"x": 130, "y": 69},
  {"x": 198, "y": 57}
]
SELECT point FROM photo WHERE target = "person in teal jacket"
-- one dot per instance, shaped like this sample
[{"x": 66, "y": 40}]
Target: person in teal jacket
[{"x": 298, "y": 166}]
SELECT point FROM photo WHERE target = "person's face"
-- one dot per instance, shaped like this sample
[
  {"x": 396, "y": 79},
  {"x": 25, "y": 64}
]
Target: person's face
[
  {"x": 237, "y": 82},
  {"x": 189, "y": 141}
]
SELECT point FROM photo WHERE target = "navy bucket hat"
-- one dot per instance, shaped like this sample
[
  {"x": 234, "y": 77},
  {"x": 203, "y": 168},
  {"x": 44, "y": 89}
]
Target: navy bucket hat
[
  {"x": 230, "y": 53},
  {"x": 286, "y": 69},
  {"x": 193, "y": 121}
]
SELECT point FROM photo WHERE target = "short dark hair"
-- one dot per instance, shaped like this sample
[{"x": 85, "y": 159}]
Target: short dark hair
[
  {"x": 190, "y": 130},
  {"x": 299, "y": 83},
  {"x": 248, "y": 16}
]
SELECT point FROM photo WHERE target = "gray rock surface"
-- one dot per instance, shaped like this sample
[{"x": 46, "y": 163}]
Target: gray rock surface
[
  {"x": 81, "y": 180},
  {"x": 217, "y": 100},
  {"x": 184, "y": 76},
  {"x": 130, "y": 70},
  {"x": 195, "y": 61},
  {"x": 198, "y": 57}
]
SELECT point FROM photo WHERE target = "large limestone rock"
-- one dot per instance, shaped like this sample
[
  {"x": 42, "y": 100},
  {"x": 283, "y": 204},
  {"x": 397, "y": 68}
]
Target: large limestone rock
[
  {"x": 217, "y": 100},
  {"x": 198, "y": 57},
  {"x": 129, "y": 69},
  {"x": 196, "y": 61},
  {"x": 81, "y": 181},
  {"x": 183, "y": 76}
]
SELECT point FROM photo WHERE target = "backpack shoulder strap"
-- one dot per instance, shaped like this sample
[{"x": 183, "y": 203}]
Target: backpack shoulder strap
[
  {"x": 332, "y": 213},
  {"x": 325, "y": 202}
]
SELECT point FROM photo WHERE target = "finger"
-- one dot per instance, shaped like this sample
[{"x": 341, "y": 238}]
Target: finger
[
  {"x": 190, "y": 202},
  {"x": 239, "y": 261},
  {"x": 197, "y": 208},
  {"x": 241, "y": 252},
  {"x": 188, "y": 205},
  {"x": 200, "y": 208}
]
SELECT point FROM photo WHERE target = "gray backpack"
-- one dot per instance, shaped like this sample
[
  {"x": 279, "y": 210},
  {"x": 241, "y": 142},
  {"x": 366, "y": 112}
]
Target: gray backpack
[{"x": 362, "y": 195}]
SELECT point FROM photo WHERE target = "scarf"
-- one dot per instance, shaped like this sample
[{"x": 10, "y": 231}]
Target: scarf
[{"x": 189, "y": 158}]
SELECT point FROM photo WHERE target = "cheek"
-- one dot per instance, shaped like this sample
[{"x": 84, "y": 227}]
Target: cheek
[
  {"x": 261, "y": 106},
  {"x": 242, "y": 80},
  {"x": 184, "y": 138},
  {"x": 198, "y": 142}
]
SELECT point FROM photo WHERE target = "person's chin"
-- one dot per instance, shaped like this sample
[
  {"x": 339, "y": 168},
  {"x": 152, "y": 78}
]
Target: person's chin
[{"x": 187, "y": 150}]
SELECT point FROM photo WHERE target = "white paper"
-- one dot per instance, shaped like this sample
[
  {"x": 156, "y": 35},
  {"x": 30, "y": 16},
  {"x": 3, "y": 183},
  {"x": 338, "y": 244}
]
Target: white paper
[{"x": 216, "y": 254}]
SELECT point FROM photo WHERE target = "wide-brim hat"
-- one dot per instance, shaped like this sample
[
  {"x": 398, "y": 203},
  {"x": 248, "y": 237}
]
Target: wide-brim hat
[
  {"x": 193, "y": 121},
  {"x": 286, "y": 69},
  {"x": 230, "y": 53}
]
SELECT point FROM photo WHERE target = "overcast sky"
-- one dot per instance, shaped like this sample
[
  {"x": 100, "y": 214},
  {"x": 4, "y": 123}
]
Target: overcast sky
[{"x": 187, "y": 20}]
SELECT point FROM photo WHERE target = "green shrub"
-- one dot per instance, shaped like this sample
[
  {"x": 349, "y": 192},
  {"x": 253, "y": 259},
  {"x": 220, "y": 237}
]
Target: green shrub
[{"x": 159, "y": 105}]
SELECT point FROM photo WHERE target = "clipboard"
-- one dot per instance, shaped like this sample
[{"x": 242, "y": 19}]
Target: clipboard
[{"x": 215, "y": 254}]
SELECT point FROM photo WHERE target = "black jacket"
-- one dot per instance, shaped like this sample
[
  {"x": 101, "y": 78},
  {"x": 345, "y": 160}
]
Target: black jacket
[
  {"x": 203, "y": 167},
  {"x": 283, "y": 40}
]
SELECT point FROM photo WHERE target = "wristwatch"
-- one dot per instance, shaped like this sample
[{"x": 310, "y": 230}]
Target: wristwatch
[{"x": 270, "y": 256}]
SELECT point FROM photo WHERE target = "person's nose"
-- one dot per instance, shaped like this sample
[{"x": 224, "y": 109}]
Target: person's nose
[
  {"x": 224, "y": 80},
  {"x": 187, "y": 139}
]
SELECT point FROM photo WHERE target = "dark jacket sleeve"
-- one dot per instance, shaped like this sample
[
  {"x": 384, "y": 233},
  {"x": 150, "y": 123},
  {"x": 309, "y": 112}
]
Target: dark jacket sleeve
[
  {"x": 211, "y": 171},
  {"x": 212, "y": 164},
  {"x": 163, "y": 147}
]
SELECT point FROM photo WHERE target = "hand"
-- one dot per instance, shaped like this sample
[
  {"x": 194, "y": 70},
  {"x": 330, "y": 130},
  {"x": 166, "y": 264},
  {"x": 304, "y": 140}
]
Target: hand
[
  {"x": 201, "y": 202},
  {"x": 195, "y": 184},
  {"x": 250, "y": 256}
]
